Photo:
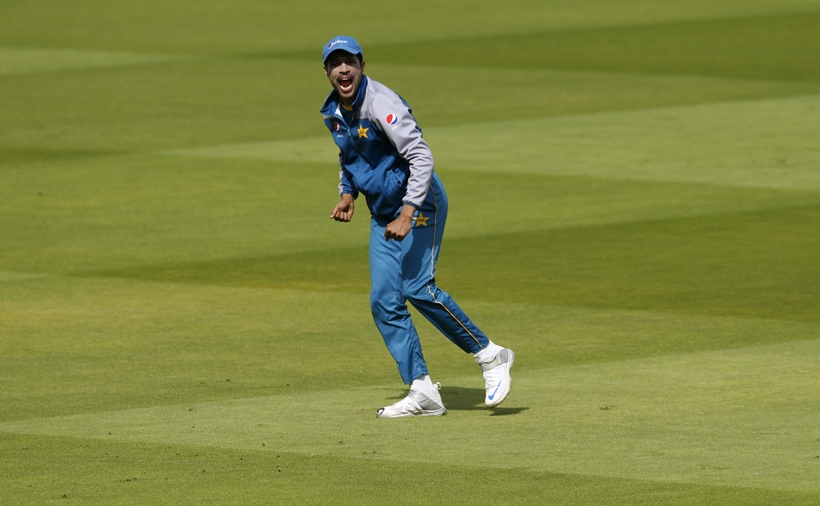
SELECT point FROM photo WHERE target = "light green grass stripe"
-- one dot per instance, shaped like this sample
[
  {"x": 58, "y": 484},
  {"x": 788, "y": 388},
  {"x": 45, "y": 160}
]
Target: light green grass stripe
[
  {"x": 17, "y": 61},
  {"x": 766, "y": 143},
  {"x": 744, "y": 417},
  {"x": 306, "y": 150},
  {"x": 14, "y": 275}
]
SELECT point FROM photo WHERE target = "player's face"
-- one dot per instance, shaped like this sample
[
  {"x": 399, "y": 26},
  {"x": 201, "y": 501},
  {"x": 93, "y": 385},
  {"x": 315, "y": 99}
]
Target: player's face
[{"x": 344, "y": 70}]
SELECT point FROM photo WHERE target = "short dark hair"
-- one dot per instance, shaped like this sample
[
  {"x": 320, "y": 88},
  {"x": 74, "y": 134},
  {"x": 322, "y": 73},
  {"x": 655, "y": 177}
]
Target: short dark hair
[{"x": 357, "y": 55}]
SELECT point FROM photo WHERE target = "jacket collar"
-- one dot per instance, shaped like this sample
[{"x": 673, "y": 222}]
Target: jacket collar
[{"x": 333, "y": 103}]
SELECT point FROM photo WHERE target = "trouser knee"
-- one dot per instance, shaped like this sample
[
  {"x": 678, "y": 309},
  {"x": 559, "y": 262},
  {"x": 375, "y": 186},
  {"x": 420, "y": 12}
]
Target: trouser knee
[
  {"x": 419, "y": 294},
  {"x": 386, "y": 308}
]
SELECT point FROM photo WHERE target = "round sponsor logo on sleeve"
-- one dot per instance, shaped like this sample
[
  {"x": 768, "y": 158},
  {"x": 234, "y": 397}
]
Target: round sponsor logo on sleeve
[{"x": 392, "y": 119}]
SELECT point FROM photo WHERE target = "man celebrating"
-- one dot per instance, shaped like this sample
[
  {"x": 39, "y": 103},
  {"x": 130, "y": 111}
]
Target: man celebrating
[{"x": 384, "y": 157}]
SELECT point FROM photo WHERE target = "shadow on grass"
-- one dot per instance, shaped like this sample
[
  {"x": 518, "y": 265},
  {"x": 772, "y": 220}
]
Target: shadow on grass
[
  {"x": 472, "y": 399},
  {"x": 468, "y": 399},
  {"x": 506, "y": 411}
]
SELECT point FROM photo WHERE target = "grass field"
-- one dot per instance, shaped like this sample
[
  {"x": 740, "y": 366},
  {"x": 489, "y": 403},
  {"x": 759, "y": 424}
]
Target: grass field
[{"x": 635, "y": 210}]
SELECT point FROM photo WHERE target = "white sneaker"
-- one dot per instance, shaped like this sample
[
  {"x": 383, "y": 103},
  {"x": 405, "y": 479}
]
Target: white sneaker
[
  {"x": 497, "y": 376},
  {"x": 417, "y": 403}
]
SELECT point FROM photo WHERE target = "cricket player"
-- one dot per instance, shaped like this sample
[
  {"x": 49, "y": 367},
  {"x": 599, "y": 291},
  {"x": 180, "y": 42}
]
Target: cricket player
[{"x": 384, "y": 157}]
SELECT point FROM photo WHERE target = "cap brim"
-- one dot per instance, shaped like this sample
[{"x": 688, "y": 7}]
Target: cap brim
[{"x": 345, "y": 49}]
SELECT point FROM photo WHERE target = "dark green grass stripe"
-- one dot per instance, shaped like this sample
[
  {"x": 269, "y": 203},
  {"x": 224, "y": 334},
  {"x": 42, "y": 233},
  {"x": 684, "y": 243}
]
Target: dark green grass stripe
[
  {"x": 38, "y": 469},
  {"x": 755, "y": 264},
  {"x": 760, "y": 264},
  {"x": 783, "y": 47},
  {"x": 773, "y": 47}
]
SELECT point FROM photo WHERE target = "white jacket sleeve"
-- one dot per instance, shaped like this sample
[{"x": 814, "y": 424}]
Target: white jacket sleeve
[{"x": 397, "y": 122}]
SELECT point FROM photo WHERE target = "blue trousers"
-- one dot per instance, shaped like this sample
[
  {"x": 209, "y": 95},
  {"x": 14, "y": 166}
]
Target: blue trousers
[{"x": 402, "y": 272}]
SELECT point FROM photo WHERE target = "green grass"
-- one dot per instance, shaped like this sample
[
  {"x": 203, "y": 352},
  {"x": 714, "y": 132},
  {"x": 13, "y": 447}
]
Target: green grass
[
  {"x": 635, "y": 197},
  {"x": 713, "y": 47}
]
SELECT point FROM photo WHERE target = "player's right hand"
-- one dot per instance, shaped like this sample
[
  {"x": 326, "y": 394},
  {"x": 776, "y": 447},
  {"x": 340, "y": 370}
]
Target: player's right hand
[{"x": 344, "y": 209}]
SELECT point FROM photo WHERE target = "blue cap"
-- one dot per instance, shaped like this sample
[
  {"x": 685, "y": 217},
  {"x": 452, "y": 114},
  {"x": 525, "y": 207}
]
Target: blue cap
[{"x": 341, "y": 43}]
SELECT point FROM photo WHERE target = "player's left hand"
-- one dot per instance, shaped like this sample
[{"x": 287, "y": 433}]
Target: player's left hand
[
  {"x": 401, "y": 226},
  {"x": 398, "y": 228}
]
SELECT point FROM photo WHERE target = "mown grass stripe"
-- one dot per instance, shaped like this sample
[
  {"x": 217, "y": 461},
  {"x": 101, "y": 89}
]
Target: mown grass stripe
[
  {"x": 776, "y": 148},
  {"x": 734, "y": 417},
  {"x": 771, "y": 47},
  {"x": 22, "y": 61}
]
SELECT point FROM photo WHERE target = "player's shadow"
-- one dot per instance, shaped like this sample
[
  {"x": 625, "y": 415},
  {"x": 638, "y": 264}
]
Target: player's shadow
[
  {"x": 469, "y": 399},
  {"x": 472, "y": 399}
]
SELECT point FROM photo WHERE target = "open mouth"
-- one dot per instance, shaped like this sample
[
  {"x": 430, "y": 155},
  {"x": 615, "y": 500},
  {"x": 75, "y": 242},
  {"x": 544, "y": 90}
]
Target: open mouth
[{"x": 346, "y": 84}]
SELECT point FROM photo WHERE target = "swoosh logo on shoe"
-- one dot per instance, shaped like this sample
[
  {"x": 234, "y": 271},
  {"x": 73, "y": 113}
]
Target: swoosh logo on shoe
[{"x": 491, "y": 397}]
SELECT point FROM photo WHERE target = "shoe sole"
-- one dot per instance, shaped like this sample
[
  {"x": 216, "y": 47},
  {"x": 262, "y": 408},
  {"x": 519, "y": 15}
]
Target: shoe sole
[
  {"x": 438, "y": 412},
  {"x": 502, "y": 394}
]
